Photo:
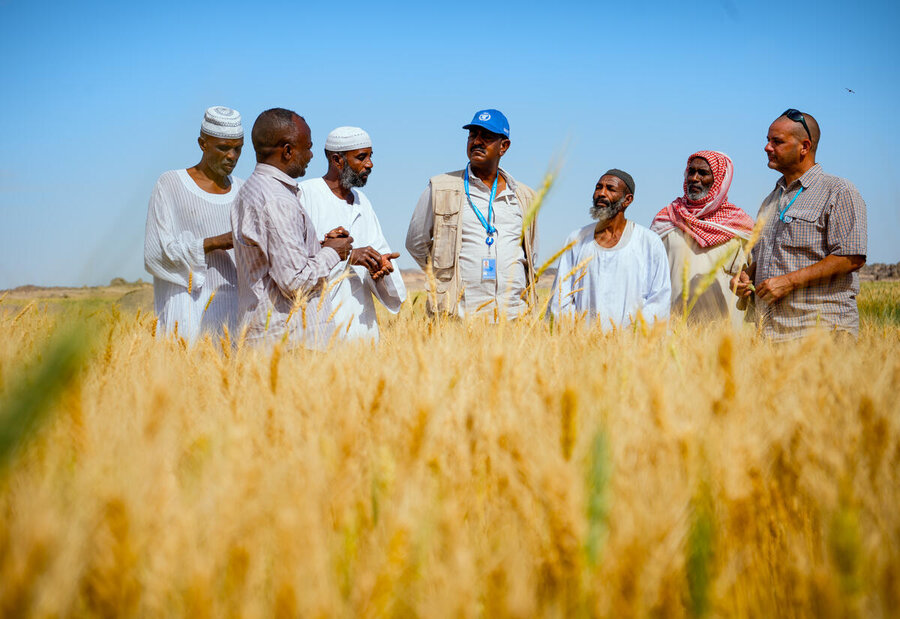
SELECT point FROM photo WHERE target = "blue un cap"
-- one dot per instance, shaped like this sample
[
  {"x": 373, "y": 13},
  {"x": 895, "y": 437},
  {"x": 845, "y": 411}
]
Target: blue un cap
[{"x": 492, "y": 120}]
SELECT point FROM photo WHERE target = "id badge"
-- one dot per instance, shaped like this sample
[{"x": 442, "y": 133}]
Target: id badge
[{"x": 488, "y": 269}]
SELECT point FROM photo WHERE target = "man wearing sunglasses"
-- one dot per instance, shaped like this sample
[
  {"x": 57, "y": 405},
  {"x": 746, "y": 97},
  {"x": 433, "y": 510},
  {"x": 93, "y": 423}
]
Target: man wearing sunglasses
[
  {"x": 802, "y": 271},
  {"x": 468, "y": 226}
]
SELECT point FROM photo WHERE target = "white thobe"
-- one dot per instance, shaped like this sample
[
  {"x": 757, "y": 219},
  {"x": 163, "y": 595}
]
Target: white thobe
[
  {"x": 690, "y": 262},
  {"x": 180, "y": 216},
  {"x": 351, "y": 298},
  {"x": 618, "y": 282}
]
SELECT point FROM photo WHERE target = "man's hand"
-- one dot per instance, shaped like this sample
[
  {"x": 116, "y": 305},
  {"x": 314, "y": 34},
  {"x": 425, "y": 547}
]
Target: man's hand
[
  {"x": 366, "y": 257},
  {"x": 741, "y": 285},
  {"x": 342, "y": 245},
  {"x": 386, "y": 265},
  {"x": 221, "y": 241},
  {"x": 775, "y": 288},
  {"x": 337, "y": 233}
]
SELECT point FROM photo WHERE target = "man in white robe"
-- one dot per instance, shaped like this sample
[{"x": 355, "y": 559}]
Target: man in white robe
[
  {"x": 703, "y": 234},
  {"x": 336, "y": 200},
  {"x": 188, "y": 241},
  {"x": 615, "y": 268}
]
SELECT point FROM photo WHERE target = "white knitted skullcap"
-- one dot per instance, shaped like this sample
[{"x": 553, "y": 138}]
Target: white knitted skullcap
[
  {"x": 343, "y": 139},
  {"x": 222, "y": 122}
]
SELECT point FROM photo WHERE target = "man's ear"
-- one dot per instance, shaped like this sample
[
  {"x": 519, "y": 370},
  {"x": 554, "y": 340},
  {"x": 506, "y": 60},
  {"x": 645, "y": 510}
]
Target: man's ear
[
  {"x": 628, "y": 200},
  {"x": 504, "y": 146},
  {"x": 337, "y": 159},
  {"x": 201, "y": 141}
]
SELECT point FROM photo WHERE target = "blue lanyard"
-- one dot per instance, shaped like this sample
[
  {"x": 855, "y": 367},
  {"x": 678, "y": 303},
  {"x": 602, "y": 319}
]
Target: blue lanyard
[
  {"x": 485, "y": 223},
  {"x": 787, "y": 220}
]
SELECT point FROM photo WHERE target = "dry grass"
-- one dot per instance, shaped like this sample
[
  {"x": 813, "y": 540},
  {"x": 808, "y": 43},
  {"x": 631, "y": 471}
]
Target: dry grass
[{"x": 457, "y": 470}]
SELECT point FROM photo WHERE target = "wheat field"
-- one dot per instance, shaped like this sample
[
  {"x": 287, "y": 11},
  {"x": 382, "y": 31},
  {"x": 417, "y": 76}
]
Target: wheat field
[{"x": 453, "y": 470}]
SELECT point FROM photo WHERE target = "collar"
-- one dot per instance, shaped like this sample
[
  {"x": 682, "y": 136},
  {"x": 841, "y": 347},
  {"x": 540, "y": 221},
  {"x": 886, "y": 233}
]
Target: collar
[
  {"x": 271, "y": 171},
  {"x": 510, "y": 182},
  {"x": 806, "y": 181}
]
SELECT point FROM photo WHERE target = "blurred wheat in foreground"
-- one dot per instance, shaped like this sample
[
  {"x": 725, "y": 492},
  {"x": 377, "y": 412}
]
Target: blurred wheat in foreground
[{"x": 455, "y": 470}]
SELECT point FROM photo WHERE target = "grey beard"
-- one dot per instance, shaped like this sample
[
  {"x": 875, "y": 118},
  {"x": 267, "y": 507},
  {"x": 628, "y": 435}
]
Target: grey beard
[
  {"x": 605, "y": 213},
  {"x": 695, "y": 196},
  {"x": 349, "y": 178}
]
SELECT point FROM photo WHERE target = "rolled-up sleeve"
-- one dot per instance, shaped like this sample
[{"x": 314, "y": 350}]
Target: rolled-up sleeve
[
  {"x": 847, "y": 234},
  {"x": 292, "y": 266},
  {"x": 421, "y": 227}
]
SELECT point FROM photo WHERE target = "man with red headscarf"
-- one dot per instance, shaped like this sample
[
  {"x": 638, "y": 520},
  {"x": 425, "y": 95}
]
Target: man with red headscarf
[{"x": 703, "y": 233}]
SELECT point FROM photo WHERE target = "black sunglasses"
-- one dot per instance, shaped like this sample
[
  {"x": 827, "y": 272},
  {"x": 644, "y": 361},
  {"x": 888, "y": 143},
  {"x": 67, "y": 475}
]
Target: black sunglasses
[{"x": 797, "y": 117}]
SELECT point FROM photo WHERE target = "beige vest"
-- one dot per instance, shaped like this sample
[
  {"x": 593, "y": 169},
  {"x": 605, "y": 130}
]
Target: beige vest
[{"x": 448, "y": 196}]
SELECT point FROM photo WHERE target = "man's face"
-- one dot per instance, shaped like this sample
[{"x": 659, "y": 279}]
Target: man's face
[
  {"x": 301, "y": 149},
  {"x": 219, "y": 154},
  {"x": 485, "y": 148},
  {"x": 610, "y": 198},
  {"x": 357, "y": 165},
  {"x": 699, "y": 178},
  {"x": 783, "y": 147}
]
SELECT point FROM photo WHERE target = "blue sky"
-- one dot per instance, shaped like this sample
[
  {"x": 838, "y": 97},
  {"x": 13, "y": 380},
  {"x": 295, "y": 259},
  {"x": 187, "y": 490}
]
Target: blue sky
[{"x": 98, "y": 99}]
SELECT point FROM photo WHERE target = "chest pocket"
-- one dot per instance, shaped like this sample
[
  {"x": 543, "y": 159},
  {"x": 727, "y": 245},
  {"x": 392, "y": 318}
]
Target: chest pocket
[
  {"x": 803, "y": 228},
  {"x": 446, "y": 229}
]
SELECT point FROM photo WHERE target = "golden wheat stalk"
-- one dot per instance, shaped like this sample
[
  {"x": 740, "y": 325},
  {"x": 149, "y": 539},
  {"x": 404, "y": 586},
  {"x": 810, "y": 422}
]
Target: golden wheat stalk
[
  {"x": 209, "y": 301},
  {"x": 329, "y": 284},
  {"x": 709, "y": 277},
  {"x": 190, "y": 282}
]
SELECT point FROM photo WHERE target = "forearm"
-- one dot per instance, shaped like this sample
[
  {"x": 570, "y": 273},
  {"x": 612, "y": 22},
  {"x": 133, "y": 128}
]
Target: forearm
[
  {"x": 826, "y": 268},
  {"x": 303, "y": 273}
]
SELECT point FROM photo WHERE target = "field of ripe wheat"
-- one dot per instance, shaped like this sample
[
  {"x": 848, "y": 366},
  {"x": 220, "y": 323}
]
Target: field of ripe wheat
[{"x": 453, "y": 470}]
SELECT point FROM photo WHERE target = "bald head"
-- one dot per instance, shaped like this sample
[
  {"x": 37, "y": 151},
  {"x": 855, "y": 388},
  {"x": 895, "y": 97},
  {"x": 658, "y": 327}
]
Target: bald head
[{"x": 799, "y": 131}]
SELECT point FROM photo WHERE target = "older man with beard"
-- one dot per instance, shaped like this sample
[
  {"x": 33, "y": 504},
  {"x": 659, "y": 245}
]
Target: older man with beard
[
  {"x": 335, "y": 200},
  {"x": 703, "y": 234},
  {"x": 614, "y": 269}
]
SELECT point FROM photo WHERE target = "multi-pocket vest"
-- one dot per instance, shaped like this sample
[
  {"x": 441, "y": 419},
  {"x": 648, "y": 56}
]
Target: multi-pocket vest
[{"x": 448, "y": 196}]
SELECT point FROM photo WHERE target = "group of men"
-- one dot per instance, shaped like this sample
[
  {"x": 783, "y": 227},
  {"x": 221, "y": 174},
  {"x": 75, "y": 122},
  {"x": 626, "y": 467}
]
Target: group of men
[{"x": 293, "y": 262}]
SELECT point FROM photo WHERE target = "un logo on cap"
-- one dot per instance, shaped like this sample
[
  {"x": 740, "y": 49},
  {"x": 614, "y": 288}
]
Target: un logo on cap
[{"x": 484, "y": 116}]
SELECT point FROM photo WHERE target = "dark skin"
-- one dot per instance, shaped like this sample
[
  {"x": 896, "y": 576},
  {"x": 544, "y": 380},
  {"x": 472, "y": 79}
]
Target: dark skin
[
  {"x": 484, "y": 149},
  {"x": 699, "y": 178},
  {"x": 610, "y": 189},
  {"x": 292, "y": 158},
  {"x": 212, "y": 175},
  {"x": 360, "y": 161},
  {"x": 792, "y": 152}
]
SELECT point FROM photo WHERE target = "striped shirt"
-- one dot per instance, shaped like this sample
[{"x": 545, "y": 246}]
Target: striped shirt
[
  {"x": 280, "y": 263},
  {"x": 827, "y": 218},
  {"x": 180, "y": 216}
]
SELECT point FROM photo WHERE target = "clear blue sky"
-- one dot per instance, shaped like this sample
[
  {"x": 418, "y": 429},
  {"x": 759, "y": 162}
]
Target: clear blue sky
[{"x": 98, "y": 99}]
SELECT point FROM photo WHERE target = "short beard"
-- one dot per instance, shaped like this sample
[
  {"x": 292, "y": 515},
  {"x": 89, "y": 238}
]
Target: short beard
[
  {"x": 349, "y": 178},
  {"x": 605, "y": 213},
  {"x": 699, "y": 195}
]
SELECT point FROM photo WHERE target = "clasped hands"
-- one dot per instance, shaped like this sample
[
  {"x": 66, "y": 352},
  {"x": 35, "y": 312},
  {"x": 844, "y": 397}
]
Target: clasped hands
[{"x": 377, "y": 264}]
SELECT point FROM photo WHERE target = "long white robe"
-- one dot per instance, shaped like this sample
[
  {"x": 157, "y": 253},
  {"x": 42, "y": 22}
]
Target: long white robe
[
  {"x": 351, "y": 298},
  {"x": 618, "y": 282},
  {"x": 690, "y": 262},
  {"x": 180, "y": 216}
]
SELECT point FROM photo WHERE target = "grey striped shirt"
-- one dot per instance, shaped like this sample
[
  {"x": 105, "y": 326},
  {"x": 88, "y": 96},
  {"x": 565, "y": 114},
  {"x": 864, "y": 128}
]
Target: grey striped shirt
[{"x": 280, "y": 262}]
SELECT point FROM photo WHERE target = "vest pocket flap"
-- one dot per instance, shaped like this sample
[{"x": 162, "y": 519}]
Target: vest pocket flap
[{"x": 449, "y": 205}]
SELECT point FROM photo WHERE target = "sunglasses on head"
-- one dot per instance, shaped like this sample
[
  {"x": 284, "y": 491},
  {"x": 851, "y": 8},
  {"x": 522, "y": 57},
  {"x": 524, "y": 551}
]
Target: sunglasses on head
[{"x": 797, "y": 117}]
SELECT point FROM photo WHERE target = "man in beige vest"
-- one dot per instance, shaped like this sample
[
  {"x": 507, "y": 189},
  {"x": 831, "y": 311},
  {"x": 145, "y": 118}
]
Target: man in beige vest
[{"x": 468, "y": 226}]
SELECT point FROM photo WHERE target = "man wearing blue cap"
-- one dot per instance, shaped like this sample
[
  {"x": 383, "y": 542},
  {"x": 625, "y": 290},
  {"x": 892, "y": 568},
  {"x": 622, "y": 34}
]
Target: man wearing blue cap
[{"x": 468, "y": 226}]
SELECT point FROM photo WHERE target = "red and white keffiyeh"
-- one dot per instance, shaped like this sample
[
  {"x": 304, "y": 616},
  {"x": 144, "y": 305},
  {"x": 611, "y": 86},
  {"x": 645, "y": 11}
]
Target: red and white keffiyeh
[{"x": 710, "y": 221}]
